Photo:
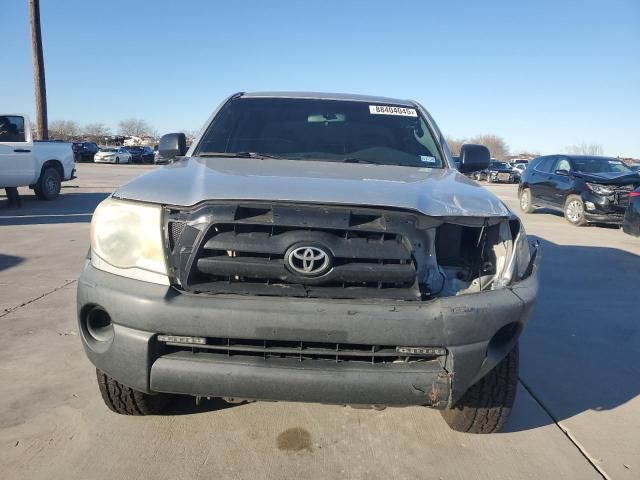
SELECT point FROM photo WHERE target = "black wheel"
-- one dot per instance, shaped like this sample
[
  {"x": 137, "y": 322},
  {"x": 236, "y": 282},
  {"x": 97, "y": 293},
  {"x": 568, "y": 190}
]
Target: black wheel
[
  {"x": 49, "y": 184},
  {"x": 526, "y": 201},
  {"x": 485, "y": 407},
  {"x": 574, "y": 210},
  {"x": 117, "y": 159},
  {"x": 127, "y": 401}
]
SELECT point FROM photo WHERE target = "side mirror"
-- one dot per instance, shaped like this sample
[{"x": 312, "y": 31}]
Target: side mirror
[
  {"x": 173, "y": 145},
  {"x": 474, "y": 158},
  {"x": 564, "y": 173}
]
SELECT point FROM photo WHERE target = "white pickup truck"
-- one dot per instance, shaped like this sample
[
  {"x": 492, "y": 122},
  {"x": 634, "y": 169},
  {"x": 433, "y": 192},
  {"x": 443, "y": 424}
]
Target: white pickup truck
[{"x": 42, "y": 166}]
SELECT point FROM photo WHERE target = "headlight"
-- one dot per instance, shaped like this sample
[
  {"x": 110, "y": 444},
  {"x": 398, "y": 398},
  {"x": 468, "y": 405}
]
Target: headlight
[
  {"x": 518, "y": 263},
  {"x": 128, "y": 235},
  {"x": 600, "y": 189}
]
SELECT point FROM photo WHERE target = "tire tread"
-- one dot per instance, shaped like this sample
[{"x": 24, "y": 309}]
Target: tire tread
[
  {"x": 485, "y": 407},
  {"x": 125, "y": 400}
]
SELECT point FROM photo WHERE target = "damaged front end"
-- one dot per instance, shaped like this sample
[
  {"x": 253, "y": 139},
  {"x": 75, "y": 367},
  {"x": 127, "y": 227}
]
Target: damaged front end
[{"x": 341, "y": 252}]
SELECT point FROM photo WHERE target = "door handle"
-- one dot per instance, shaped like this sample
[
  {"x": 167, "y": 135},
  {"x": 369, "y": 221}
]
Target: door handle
[{"x": 21, "y": 150}]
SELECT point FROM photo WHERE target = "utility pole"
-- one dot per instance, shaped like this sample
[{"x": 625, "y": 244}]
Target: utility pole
[{"x": 42, "y": 128}]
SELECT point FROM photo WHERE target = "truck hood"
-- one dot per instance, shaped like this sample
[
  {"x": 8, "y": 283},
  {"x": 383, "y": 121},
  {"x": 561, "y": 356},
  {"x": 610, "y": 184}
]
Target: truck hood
[{"x": 434, "y": 192}]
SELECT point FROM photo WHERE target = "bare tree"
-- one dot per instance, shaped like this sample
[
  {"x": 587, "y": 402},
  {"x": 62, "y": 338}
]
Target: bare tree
[
  {"x": 64, "y": 129},
  {"x": 134, "y": 127},
  {"x": 585, "y": 148},
  {"x": 96, "y": 131},
  {"x": 455, "y": 144},
  {"x": 191, "y": 135},
  {"x": 496, "y": 145},
  {"x": 38, "y": 71}
]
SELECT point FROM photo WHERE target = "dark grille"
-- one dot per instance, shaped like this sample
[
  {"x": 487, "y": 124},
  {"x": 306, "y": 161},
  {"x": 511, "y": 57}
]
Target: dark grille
[
  {"x": 244, "y": 249},
  {"x": 300, "y": 350},
  {"x": 621, "y": 195},
  {"x": 175, "y": 230}
]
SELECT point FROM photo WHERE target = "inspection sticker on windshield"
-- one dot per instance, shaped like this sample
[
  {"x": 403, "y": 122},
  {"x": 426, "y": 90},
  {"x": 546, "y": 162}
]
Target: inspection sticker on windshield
[{"x": 391, "y": 110}]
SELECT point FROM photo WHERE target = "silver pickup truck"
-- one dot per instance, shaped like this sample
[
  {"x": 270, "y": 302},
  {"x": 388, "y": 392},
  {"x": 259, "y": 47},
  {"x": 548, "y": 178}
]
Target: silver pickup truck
[
  {"x": 24, "y": 162},
  {"x": 315, "y": 248}
]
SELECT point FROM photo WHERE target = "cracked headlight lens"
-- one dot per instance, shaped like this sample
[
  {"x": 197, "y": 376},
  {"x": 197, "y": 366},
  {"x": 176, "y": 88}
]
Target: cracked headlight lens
[{"x": 128, "y": 235}]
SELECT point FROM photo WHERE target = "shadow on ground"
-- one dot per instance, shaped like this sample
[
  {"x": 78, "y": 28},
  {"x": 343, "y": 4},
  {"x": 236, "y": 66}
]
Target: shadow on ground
[
  {"x": 579, "y": 351},
  {"x": 558, "y": 213},
  {"x": 186, "y": 405},
  {"x": 67, "y": 208},
  {"x": 8, "y": 261}
]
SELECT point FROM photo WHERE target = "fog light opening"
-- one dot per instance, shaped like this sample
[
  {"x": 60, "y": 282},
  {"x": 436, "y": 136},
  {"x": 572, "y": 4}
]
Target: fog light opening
[{"x": 99, "y": 325}]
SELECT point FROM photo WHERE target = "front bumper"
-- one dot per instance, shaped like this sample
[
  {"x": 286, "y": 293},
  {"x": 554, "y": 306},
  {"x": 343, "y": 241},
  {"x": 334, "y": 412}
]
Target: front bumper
[
  {"x": 602, "y": 209},
  {"x": 464, "y": 325}
]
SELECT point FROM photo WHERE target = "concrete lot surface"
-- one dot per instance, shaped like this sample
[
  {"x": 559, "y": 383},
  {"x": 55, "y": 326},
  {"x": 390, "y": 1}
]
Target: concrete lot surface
[{"x": 577, "y": 414}]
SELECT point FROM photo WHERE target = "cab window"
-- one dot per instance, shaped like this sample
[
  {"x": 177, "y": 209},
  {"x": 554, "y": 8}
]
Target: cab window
[{"x": 12, "y": 129}]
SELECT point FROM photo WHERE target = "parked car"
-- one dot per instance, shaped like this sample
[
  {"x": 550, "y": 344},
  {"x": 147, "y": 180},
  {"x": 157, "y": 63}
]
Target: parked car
[
  {"x": 501, "y": 172},
  {"x": 314, "y": 248},
  {"x": 520, "y": 161},
  {"x": 136, "y": 153},
  {"x": 148, "y": 155},
  {"x": 157, "y": 158},
  {"x": 42, "y": 166},
  {"x": 84, "y": 151},
  {"x": 113, "y": 155},
  {"x": 585, "y": 188},
  {"x": 631, "y": 221},
  {"x": 519, "y": 168}
]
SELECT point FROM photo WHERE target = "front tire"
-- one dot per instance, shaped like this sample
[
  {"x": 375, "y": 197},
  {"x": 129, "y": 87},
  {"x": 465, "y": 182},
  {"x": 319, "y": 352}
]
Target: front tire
[
  {"x": 117, "y": 160},
  {"x": 526, "y": 201},
  {"x": 574, "y": 211},
  {"x": 127, "y": 401},
  {"x": 49, "y": 185},
  {"x": 486, "y": 406}
]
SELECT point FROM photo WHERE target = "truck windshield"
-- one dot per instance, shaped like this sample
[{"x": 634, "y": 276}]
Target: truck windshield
[{"x": 322, "y": 130}]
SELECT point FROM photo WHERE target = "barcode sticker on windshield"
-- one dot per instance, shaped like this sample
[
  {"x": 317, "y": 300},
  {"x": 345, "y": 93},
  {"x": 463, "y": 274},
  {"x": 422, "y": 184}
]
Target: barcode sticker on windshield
[{"x": 391, "y": 110}]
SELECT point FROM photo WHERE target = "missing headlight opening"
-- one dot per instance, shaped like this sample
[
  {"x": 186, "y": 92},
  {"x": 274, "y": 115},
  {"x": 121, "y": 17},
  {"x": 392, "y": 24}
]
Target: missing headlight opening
[{"x": 476, "y": 258}]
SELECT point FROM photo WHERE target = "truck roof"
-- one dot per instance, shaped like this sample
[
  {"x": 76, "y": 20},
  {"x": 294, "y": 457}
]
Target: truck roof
[{"x": 329, "y": 96}]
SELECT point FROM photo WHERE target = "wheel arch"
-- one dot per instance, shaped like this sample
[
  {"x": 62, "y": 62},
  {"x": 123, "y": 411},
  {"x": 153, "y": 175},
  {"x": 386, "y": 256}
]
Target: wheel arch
[{"x": 55, "y": 164}]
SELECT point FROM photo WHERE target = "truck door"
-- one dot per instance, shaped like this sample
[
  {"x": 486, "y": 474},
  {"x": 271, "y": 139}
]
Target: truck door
[{"x": 16, "y": 157}]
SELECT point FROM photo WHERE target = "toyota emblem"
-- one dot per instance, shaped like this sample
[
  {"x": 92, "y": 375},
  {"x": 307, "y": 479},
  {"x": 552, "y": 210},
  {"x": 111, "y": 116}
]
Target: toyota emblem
[{"x": 309, "y": 261}]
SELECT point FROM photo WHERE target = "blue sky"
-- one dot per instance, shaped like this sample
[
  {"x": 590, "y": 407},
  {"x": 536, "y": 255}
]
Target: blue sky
[{"x": 542, "y": 74}]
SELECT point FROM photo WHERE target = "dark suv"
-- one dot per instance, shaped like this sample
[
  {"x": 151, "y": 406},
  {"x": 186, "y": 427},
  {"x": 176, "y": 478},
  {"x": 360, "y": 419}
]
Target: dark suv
[
  {"x": 585, "y": 188},
  {"x": 84, "y": 151}
]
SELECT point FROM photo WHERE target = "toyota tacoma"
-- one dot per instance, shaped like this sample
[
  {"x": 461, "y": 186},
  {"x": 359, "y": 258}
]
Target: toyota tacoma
[{"x": 314, "y": 248}]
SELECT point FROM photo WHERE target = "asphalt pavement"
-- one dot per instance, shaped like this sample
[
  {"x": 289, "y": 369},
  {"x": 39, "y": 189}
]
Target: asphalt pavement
[{"x": 577, "y": 413}]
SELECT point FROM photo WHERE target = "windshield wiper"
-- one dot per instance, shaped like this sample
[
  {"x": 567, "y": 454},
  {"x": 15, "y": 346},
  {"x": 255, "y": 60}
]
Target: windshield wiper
[
  {"x": 240, "y": 155},
  {"x": 358, "y": 160}
]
